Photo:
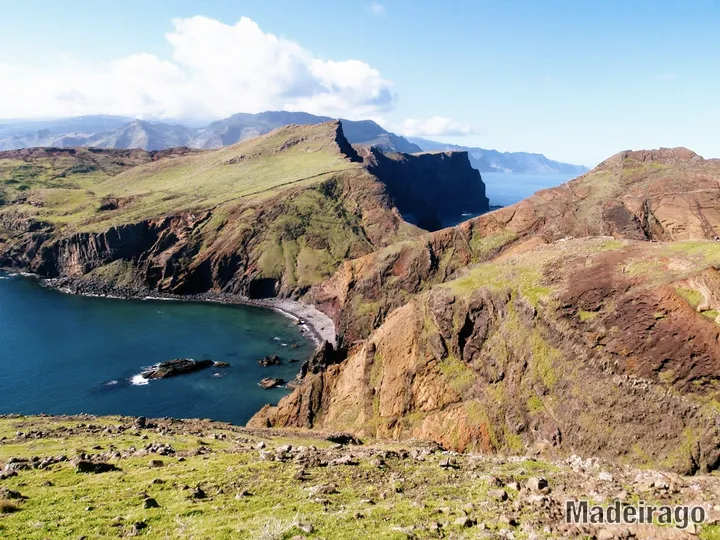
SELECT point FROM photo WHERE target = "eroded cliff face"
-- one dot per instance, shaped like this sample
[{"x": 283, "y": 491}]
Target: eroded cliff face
[
  {"x": 658, "y": 195},
  {"x": 278, "y": 240},
  {"x": 428, "y": 185},
  {"x": 571, "y": 348}
]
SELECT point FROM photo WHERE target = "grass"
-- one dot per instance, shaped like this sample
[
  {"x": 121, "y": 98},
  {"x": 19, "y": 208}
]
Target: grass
[
  {"x": 69, "y": 191},
  {"x": 63, "y": 504},
  {"x": 457, "y": 374}
]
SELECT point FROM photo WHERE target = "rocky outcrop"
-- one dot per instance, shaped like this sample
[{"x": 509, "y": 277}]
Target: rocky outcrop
[
  {"x": 427, "y": 185},
  {"x": 172, "y": 368},
  {"x": 279, "y": 244},
  {"x": 520, "y": 355}
]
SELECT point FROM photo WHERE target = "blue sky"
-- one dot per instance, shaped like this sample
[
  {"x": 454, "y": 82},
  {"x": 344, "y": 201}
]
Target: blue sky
[{"x": 575, "y": 80}]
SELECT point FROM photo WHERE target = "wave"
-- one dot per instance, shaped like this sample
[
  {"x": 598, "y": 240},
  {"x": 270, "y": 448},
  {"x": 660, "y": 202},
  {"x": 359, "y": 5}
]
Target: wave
[{"x": 138, "y": 380}]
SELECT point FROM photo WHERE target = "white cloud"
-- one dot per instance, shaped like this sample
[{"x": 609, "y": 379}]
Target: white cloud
[
  {"x": 215, "y": 70},
  {"x": 434, "y": 127},
  {"x": 376, "y": 8}
]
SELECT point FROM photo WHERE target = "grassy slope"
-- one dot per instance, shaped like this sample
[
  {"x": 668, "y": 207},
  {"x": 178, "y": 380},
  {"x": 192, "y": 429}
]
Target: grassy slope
[
  {"x": 406, "y": 493},
  {"x": 297, "y": 155}
]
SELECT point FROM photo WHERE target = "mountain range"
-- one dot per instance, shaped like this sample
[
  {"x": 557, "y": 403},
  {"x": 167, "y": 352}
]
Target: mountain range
[
  {"x": 102, "y": 131},
  {"x": 510, "y": 162}
]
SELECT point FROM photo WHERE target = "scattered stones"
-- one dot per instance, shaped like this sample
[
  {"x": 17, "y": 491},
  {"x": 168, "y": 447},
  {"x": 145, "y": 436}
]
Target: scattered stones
[{"x": 344, "y": 460}]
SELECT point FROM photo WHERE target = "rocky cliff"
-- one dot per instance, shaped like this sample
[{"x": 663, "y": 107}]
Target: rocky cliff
[
  {"x": 507, "y": 333},
  {"x": 269, "y": 217},
  {"x": 425, "y": 186},
  {"x": 272, "y": 216}
]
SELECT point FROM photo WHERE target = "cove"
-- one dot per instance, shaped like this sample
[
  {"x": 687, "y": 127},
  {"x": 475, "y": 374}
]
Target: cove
[{"x": 66, "y": 354}]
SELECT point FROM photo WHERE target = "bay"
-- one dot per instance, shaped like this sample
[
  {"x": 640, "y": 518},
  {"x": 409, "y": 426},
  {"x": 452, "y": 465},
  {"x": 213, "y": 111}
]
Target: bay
[{"x": 65, "y": 354}]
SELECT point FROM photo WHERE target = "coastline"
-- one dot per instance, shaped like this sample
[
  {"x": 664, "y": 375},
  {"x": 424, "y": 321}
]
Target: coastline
[{"x": 319, "y": 327}]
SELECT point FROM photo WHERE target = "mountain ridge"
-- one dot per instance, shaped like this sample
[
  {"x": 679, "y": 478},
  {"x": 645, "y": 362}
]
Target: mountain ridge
[
  {"x": 507, "y": 162},
  {"x": 119, "y": 132}
]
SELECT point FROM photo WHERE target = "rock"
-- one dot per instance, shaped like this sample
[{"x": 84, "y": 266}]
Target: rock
[
  {"x": 149, "y": 502},
  {"x": 307, "y": 528},
  {"x": 323, "y": 489},
  {"x": 449, "y": 463},
  {"x": 172, "y": 368},
  {"x": 271, "y": 382},
  {"x": 156, "y": 463},
  {"x": 498, "y": 494},
  {"x": 198, "y": 493},
  {"x": 343, "y": 438},
  {"x": 605, "y": 476},
  {"x": 464, "y": 522},
  {"x": 284, "y": 449},
  {"x": 536, "y": 483},
  {"x": 83, "y": 466},
  {"x": 221, "y": 364},
  {"x": 270, "y": 360},
  {"x": 260, "y": 445},
  {"x": 344, "y": 460},
  {"x": 9, "y": 494}
]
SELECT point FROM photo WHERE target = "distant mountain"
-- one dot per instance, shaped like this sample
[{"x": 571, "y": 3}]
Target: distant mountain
[
  {"x": 119, "y": 132},
  {"x": 494, "y": 161}
]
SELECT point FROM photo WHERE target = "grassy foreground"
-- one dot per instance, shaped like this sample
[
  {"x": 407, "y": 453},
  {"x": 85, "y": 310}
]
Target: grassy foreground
[{"x": 200, "y": 479}]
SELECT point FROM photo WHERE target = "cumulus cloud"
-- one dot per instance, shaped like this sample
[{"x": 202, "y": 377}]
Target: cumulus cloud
[
  {"x": 434, "y": 127},
  {"x": 215, "y": 70}
]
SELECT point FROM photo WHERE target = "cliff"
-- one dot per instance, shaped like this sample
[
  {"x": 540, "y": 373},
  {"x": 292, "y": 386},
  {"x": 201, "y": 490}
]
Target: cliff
[
  {"x": 525, "y": 329},
  {"x": 424, "y": 186},
  {"x": 267, "y": 217},
  {"x": 506, "y": 333}
]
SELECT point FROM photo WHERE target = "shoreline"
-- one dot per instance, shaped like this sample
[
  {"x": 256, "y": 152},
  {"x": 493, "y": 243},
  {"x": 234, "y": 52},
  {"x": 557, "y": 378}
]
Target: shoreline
[{"x": 320, "y": 327}]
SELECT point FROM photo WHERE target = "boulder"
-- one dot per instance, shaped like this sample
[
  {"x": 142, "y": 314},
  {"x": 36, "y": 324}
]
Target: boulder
[
  {"x": 270, "y": 360},
  {"x": 271, "y": 382}
]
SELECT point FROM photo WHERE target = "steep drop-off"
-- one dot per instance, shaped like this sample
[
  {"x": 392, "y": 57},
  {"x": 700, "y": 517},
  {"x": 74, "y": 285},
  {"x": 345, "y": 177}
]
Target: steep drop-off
[
  {"x": 505, "y": 333},
  {"x": 271, "y": 216},
  {"x": 425, "y": 186}
]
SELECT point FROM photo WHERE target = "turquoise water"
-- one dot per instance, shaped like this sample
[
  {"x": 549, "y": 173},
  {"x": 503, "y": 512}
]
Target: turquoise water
[{"x": 65, "y": 354}]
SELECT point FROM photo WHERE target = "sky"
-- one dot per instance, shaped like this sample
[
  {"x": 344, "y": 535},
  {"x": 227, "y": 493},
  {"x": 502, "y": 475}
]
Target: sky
[{"x": 577, "y": 81}]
